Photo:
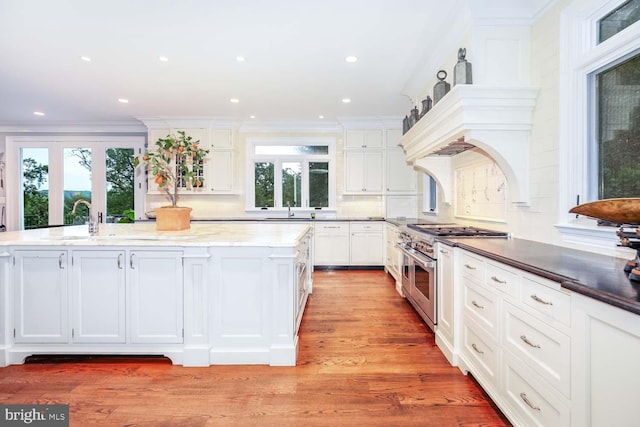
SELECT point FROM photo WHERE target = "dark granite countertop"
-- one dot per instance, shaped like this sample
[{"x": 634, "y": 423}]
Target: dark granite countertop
[{"x": 598, "y": 276}]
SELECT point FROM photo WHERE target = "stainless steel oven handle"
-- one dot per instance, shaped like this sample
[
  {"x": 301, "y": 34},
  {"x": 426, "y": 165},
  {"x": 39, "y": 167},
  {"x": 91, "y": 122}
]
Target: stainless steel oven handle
[{"x": 417, "y": 257}]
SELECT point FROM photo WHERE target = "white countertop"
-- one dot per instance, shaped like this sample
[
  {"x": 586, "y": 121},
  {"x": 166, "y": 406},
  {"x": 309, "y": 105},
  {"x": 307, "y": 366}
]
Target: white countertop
[{"x": 145, "y": 234}]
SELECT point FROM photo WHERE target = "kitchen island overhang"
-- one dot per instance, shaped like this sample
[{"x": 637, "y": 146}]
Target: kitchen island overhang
[{"x": 214, "y": 294}]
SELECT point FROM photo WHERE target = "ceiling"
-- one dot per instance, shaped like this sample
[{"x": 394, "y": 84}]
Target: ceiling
[{"x": 294, "y": 50}]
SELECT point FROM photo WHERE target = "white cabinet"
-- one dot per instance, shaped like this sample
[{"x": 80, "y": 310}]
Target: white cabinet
[
  {"x": 401, "y": 178},
  {"x": 98, "y": 296},
  {"x": 41, "y": 295},
  {"x": 303, "y": 279},
  {"x": 84, "y": 301},
  {"x": 367, "y": 243},
  {"x": 370, "y": 138},
  {"x": 220, "y": 139},
  {"x": 220, "y": 167},
  {"x": 605, "y": 355},
  {"x": 393, "y": 262},
  {"x": 517, "y": 347},
  {"x": 331, "y": 243},
  {"x": 338, "y": 243},
  {"x": 446, "y": 296},
  {"x": 363, "y": 172},
  {"x": 155, "y": 294}
]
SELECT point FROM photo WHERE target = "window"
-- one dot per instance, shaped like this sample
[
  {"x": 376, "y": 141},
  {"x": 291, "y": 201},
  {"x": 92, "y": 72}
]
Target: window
[
  {"x": 595, "y": 64},
  {"x": 430, "y": 194},
  {"x": 295, "y": 174},
  {"x": 55, "y": 171},
  {"x": 616, "y": 146},
  {"x": 619, "y": 19}
]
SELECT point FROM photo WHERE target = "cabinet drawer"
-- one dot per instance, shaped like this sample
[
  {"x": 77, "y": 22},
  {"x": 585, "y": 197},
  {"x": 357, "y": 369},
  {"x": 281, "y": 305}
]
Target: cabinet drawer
[
  {"x": 481, "y": 353},
  {"x": 552, "y": 304},
  {"x": 533, "y": 401},
  {"x": 331, "y": 228},
  {"x": 360, "y": 227},
  {"x": 473, "y": 267},
  {"x": 481, "y": 305},
  {"x": 503, "y": 278},
  {"x": 544, "y": 349}
]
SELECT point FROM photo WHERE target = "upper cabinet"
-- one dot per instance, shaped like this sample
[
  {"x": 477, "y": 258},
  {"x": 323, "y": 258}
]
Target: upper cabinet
[
  {"x": 363, "y": 139},
  {"x": 375, "y": 164},
  {"x": 220, "y": 139},
  {"x": 400, "y": 177},
  {"x": 363, "y": 172},
  {"x": 217, "y": 168}
]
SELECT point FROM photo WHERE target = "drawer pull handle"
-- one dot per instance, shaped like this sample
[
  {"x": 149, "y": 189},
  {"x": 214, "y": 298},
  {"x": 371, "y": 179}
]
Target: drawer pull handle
[
  {"x": 526, "y": 341},
  {"x": 470, "y": 267},
  {"x": 477, "y": 349},
  {"x": 536, "y": 298},
  {"x": 442, "y": 251},
  {"x": 526, "y": 400},
  {"x": 498, "y": 280},
  {"x": 481, "y": 307}
]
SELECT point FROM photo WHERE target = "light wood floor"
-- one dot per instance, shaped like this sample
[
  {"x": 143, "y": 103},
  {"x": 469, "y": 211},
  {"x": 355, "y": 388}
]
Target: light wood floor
[{"x": 365, "y": 359}]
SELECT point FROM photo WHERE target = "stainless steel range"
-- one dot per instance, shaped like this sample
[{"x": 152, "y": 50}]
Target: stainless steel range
[{"x": 419, "y": 262}]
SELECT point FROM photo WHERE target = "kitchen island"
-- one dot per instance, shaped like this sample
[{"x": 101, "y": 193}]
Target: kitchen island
[{"x": 213, "y": 294}]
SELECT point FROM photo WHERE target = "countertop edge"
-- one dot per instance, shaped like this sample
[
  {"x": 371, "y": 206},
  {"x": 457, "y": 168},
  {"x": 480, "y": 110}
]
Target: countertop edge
[{"x": 565, "y": 282}]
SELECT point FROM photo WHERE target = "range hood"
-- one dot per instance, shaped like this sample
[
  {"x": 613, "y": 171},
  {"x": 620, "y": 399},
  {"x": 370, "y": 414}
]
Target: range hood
[{"x": 497, "y": 120}]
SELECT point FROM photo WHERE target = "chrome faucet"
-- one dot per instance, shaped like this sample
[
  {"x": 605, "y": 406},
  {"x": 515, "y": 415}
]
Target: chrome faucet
[
  {"x": 289, "y": 213},
  {"x": 93, "y": 223}
]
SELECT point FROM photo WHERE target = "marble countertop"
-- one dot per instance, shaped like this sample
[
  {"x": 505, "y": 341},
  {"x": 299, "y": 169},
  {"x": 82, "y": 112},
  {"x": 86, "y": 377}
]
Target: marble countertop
[
  {"x": 598, "y": 276},
  {"x": 285, "y": 219},
  {"x": 145, "y": 234}
]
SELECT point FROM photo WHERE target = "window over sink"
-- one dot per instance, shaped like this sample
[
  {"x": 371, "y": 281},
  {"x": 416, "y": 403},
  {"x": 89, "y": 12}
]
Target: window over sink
[{"x": 296, "y": 173}]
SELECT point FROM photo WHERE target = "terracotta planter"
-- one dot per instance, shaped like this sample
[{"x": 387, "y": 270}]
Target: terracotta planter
[{"x": 173, "y": 218}]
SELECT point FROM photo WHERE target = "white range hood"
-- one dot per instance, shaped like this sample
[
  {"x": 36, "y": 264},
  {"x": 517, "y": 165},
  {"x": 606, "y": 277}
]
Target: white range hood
[{"x": 497, "y": 120}]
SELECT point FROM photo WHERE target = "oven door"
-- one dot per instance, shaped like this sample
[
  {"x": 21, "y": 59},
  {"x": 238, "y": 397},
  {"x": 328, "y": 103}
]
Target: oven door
[{"x": 422, "y": 285}]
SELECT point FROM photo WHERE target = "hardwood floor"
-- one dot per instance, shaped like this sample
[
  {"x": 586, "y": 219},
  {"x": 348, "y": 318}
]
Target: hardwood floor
[{"x": 365, "y": 359}]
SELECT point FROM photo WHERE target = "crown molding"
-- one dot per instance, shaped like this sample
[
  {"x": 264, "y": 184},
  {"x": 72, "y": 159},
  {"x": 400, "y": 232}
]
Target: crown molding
[
  {"x": 381, "y": 122},
  {"x": 177, "y": 122},
  {"x": 102, "y": 127},
  {"x": 292, "y": 127}
]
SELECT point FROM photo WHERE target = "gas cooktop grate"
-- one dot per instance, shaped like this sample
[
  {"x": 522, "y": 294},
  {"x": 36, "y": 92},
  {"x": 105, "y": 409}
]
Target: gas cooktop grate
[{"x": 455, "y": 230}]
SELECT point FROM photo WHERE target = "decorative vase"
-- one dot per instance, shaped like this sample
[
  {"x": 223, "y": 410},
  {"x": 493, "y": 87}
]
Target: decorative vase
[{"x": 173, "y": 218}]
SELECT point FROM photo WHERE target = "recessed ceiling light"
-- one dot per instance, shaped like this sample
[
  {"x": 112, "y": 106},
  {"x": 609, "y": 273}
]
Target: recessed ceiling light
[
  {"x": 252, "y": 117},
  {"x": 85, "y": 58},
  {"x": 321, "y": 116},
  {"x": 163, "y": 59},
  {"x": 240, "y": 58},
  {"x": 346, "y": 100},
  {"x": 234, "y": 100},
  {"x": 351, "y": 58},
  {"x": 123, "y": 100},
  {"x": 38, "y": 113}
]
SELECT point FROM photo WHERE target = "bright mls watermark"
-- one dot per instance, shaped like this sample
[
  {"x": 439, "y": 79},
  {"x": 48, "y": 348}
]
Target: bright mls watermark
[{"x": 34, "y": 415}]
